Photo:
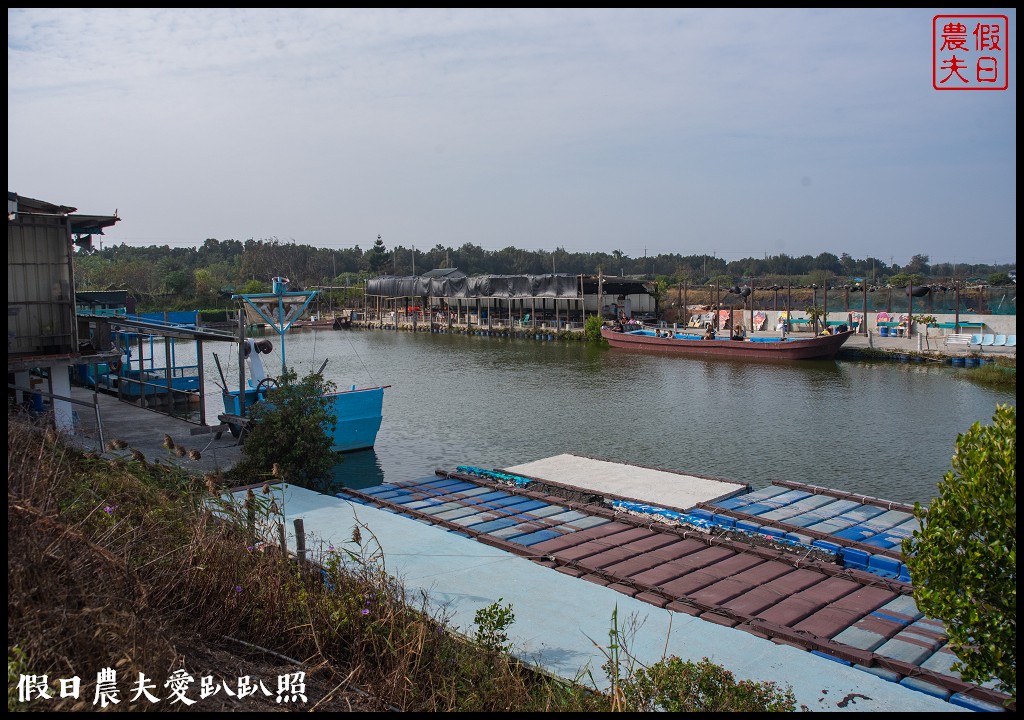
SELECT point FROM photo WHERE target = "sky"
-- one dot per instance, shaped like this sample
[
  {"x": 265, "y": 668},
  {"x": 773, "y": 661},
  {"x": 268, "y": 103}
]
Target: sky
[{"x": 733, "y": 132}]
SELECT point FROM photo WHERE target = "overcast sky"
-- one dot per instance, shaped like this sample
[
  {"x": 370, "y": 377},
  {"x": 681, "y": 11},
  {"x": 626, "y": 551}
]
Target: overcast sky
[{"x": 734, "y": 132}]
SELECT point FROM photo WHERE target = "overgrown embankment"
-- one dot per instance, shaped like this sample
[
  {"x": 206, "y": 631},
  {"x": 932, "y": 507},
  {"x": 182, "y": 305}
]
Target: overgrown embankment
[
  {"x": 134, "y": 576},
  {"x": 123, "y": 564}
]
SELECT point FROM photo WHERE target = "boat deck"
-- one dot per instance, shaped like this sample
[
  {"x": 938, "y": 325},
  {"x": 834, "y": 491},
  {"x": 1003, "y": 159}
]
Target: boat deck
[{"x": 825, "y": 597}]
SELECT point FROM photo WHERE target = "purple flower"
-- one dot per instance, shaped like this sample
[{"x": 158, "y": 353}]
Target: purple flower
[
  {"x": 108, "y": 509},
  {"x": 365, "y": 611},
  {"x": 238, "y": 588},
  {"x": 330, "y": 548}
]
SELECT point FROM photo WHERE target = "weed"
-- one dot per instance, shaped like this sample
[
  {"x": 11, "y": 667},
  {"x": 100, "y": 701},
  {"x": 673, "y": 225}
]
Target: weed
[
  {"x": 492, "y": 624},
  {"x": 675, "y": 685}
]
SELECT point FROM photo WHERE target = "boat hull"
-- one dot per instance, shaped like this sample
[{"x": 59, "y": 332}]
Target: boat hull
[
  {"x": 358, "y": 413},
  {"x": 823, "y": 347}
]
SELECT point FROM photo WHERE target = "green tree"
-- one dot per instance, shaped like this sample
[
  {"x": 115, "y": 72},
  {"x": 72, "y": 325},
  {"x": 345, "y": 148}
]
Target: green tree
[
  {"x": 918, "y": 265},
  {"x": 964, "y": 558},
  {"x": 816, "y": 314},
  {"x": 292, "y": 429},
  {"x": 206, "y": 286},
  {"x": 903, "y": 279},
  {"x": 255, "y": 287},
  {"x": 377, "y": 257},
  {"x": 592, "y": 328}
]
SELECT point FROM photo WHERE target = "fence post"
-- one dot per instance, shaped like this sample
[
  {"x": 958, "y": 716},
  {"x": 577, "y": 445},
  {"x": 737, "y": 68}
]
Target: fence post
[{"x": 300, "y": 540}]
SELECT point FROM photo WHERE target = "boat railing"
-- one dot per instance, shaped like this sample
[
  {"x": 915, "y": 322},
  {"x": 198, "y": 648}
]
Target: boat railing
[
  {"x": 174, "y": 401},
  {"x": 177, "y": 371}
]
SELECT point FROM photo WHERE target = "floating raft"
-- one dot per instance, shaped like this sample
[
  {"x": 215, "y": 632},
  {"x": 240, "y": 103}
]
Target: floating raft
[
  {"x": 791, "y": 564},
  {"x": 657, "y": 486}
]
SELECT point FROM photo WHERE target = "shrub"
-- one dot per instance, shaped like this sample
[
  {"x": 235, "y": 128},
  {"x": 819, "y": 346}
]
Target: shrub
[
  {"x": 592, "y": 328},
  {"x": 675, "y": 685},
  {"x": 964, "y": 557},
  {"x": 291, "y": 433}
]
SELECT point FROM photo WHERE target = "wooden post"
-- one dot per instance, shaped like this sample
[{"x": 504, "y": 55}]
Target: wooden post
[
  {"x": 241, "y": 359},
  {"x": 716, "y": 321},
  {"x": 250, "y": 514},
  {"x": 956, "y": 317},
  {"x": 300, "y": 540},
  {"x": 910, "y": 312},
  {"x": 750, "y": 325},
  {"x": 283, "y": 539},
  {"x": 686, "y": 304},
  {"x": 202, "y": 382},
  {"x": 824, "y": 293},
  {"x": 167, "y": 374},
  {"x": 864, "y": 313}
]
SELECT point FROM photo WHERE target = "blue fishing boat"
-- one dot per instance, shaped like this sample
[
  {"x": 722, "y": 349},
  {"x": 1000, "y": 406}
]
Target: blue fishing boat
[{"x": 358, "y": 411}]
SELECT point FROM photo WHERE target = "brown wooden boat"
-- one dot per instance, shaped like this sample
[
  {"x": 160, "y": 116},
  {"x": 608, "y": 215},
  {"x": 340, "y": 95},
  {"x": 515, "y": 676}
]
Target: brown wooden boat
[{"x": 822, "y": 347}]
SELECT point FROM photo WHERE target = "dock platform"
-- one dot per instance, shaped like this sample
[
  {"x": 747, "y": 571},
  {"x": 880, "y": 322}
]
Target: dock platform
[{"x": 845, "y": 639}]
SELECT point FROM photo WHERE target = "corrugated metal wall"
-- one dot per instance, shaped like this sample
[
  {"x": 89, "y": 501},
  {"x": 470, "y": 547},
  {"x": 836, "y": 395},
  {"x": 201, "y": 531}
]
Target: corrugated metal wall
[{"x": 40, "y": 303}]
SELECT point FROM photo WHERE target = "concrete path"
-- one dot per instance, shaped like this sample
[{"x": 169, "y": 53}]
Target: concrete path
[
  {"x": 931, "y": 344},
  {"x": 144, "y": 430}
]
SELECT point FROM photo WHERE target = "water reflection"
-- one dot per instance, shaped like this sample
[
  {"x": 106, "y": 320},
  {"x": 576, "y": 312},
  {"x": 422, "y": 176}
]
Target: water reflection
[{"x": 357, "y": 470}]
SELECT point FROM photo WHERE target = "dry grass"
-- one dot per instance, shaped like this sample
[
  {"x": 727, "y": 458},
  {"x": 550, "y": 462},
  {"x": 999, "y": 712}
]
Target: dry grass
[{"x": 120, "y": 564}]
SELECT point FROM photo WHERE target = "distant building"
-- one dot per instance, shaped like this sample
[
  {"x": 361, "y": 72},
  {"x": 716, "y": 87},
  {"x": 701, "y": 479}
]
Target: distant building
[
  {"x": 104, "y": 302},
  {"x": 561, "y": 296}
]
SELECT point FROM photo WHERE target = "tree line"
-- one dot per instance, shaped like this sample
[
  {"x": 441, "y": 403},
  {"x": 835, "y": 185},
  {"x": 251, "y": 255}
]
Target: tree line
[{"x": 206, "y": 276}]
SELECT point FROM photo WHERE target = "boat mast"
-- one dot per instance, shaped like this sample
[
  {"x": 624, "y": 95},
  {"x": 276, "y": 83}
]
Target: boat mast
[{"x": 282, "y": 323}]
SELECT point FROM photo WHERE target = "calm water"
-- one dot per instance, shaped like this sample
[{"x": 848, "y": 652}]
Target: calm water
[{"x": 878, "y": 428}]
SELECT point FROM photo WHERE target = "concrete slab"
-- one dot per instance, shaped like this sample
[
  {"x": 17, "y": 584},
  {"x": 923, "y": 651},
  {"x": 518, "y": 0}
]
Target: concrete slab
[
  {"x": 663, "y": 488},
  {"x": 144, "y": 430}
]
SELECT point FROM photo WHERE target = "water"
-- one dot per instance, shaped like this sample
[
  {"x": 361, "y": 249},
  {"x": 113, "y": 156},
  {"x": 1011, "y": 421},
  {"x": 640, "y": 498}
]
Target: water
[{"x": 879, "y": 428}]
